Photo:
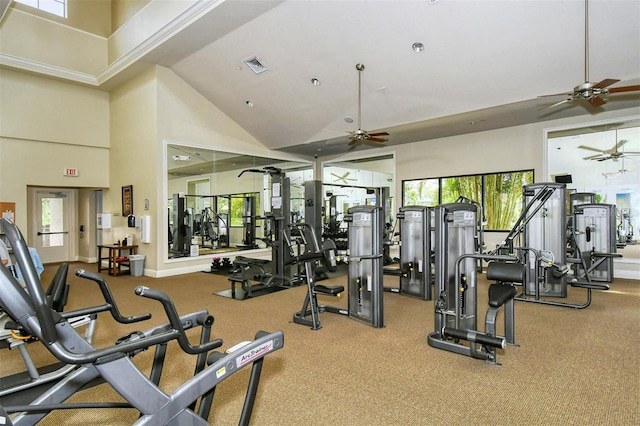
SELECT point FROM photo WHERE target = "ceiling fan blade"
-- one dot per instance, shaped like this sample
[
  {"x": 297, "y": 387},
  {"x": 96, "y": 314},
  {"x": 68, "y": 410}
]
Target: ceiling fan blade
[
  {"x": 624, "y": 89},
  {"x": 604, "y": 83},
  {"x": 618, "y": 145},
  {"x": 379, "y": 134},
  {"x": 379, "y": 140},
  {"x": 556, "y": 104},
  {"x": 590, "y": 148},
  {"x": 593, "y": 157},
  {"x": 352, "y": 142},
  {"x": 556, "y": 94},
  {"x": 597, "y": 101}
]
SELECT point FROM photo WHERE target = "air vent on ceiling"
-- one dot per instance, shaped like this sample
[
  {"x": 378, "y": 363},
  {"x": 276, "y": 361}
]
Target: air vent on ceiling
[{"x": 256, "y": 65}]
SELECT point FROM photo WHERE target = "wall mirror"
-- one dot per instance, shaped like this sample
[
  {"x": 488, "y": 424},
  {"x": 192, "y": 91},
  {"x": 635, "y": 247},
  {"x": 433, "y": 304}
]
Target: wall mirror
[
  {"x": 348, "y": 183},
  {"x": 603, "y": 159},
  {"x": 216, "y": 201}
]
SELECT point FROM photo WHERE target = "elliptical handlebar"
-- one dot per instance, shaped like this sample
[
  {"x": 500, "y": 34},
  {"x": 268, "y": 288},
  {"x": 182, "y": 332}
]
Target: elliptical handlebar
[
  {"x": 108, "y": 297},
  {"x": 175, "y": 322},
  {"x": 32, "y": 281}
]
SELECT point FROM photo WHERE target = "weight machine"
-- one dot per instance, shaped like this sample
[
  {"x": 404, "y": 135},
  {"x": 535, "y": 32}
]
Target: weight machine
[
  {"x": 456, "y": 287},
  {"x": 365, "y": 224},
  {"x": 416, "y": 253},
  {"x": 365, "y": 288},
  {"x": 624, "y": 230},
  {"x": 181, "y": 233},
  {"x": 276, "y": 223},
  {"x": 33, "y": 315},
  {"x": 544, "y": 225},
  {"x": 248, "y": 224},
  {"x": 594, "y": 237}
]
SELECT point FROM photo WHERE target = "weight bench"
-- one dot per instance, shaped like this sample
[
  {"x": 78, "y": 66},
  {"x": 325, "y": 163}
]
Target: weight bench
[{"x": 242, "y": 266}]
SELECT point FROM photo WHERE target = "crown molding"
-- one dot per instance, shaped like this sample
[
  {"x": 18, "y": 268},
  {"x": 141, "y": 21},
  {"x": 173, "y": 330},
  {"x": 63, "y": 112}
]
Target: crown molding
[
  {"x": 36, "y": 67},
  {"x": 182, "y": 21}
]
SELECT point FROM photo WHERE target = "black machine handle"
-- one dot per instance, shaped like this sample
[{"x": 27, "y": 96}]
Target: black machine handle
[
  {"x": 108, "y": 297},
  {"x": 175, "y": 322}
]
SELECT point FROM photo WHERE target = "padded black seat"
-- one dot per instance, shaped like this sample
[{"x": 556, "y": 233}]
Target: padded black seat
[
  {"x": 248, "y": 261},
  {"x": 332, "y": 290},
  {"x": 499, "y": 294}
]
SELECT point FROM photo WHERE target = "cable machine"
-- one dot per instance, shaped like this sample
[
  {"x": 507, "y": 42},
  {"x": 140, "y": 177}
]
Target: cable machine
[
  {"x": 365, "y": 264},
  {"x": 416, "y": 239}
]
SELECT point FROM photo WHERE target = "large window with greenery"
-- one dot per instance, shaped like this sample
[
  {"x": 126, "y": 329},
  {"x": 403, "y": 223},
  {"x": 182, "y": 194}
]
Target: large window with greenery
[{"x": 499, "y": 194}]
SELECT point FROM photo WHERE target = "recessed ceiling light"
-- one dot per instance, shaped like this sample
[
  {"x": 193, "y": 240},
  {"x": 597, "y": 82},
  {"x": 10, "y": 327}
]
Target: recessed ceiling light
[
  {"x": 348, "y": 119},
  {"x": 249, "y": 103},
  {"x": 417, "y": 47},
  {"x": 315, "y": 82}
]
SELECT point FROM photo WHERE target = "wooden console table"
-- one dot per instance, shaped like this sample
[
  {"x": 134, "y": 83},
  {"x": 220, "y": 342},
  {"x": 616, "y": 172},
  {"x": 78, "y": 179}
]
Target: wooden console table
[{"x": 115, "y": 258}]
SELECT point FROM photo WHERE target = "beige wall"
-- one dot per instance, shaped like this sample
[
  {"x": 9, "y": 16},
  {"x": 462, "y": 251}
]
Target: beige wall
[
  {"x": 92, "y": 16},
  {"x": 123, "y": 10},
  {"x": 43, "y": 41},
  {"x": 48, "y": 110},
  {"x": 45, "y": 127},
  {"x": 134, "y": 158}
]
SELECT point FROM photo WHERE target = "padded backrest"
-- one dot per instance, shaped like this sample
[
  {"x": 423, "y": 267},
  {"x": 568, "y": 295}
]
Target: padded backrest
[
  {"x": 506, "y": 272},
  {"x": 58, "y": 290}
]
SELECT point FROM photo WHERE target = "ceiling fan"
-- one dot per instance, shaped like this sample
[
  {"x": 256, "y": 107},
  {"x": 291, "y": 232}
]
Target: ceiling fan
[
  {"x": 362, "y": 136},
  {"x": 608, "y": 154},
  {"x": 343, "y": 178},
  {"x": 587, "y": 91}
]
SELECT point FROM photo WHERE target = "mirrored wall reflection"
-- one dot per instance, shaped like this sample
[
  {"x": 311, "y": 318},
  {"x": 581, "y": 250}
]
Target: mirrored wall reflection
[
  {"x": 603, "y": 160},
  {"x": 217, "y": 201},
  {"x": 346, "y": 184}
]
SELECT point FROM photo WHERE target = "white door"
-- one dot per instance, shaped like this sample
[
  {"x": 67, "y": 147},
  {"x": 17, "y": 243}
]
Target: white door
[{"x": 51, "y": 224}]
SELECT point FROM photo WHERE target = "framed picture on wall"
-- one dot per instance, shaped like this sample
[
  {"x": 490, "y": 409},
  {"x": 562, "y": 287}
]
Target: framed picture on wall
[{"x": 127, "y": 200}]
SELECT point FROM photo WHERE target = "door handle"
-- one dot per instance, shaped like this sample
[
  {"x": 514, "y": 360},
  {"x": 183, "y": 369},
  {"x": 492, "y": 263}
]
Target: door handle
[{"x": 52, "y": 233}]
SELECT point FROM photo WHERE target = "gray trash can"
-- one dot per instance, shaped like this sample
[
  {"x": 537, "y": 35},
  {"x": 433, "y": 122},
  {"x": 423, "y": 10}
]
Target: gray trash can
[{"x": 136, "y": 264}]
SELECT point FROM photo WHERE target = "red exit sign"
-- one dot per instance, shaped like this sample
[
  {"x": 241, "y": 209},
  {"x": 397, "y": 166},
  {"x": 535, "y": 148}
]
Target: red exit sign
[{"x": 71, "y": 172}]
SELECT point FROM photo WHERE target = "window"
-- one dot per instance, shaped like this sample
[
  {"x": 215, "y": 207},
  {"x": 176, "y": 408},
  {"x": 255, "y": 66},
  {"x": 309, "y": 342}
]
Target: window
[
  {"x": 499, "y": 194},
  {"x": 56, "y": 7},
  {"x": 422, "y": 192}
]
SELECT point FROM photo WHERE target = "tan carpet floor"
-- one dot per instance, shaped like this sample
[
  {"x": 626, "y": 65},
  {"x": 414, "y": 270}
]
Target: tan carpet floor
[{"x": 573, "y": 367}]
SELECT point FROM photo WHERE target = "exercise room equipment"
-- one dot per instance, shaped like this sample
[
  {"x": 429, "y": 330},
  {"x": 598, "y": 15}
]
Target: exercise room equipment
[
  {"x": 33, "y": 315},
  {"x": 456, "y": 287},
  {"x": 415, "y": 271},
  {"x": 544, "y": 251},
  {"x": 595, "y": 242},
  {"x": 365, "y": 224},
  {"x": 261, "y": 276},
  {"x": 311, "y": 255}
]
